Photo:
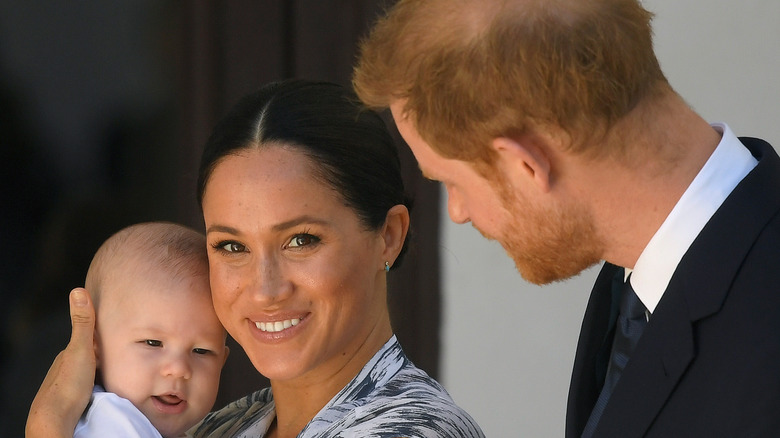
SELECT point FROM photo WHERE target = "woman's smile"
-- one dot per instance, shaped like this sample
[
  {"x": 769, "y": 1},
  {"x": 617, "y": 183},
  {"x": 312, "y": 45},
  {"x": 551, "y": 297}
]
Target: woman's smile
[
  {"x": 279, "y": 329},
  {"x": 277, "y": 326}
]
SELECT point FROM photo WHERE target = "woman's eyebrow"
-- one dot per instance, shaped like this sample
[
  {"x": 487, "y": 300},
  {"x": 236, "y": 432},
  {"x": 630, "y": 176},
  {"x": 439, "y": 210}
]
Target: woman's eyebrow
[
  {"x": 305, "y": 219},
  {"x": 221, "y": 229}
]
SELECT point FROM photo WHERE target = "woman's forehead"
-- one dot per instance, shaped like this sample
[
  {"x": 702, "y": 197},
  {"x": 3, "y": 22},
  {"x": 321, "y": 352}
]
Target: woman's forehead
[{"x": 271, "y": 184}]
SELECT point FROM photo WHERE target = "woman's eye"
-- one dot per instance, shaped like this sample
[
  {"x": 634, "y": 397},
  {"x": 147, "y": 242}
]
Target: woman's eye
[
  {"x": 153, "y": 343},
  {"x": 231, "y": 247},
  {"x": 201, "y": 351},
  {"x": 300, "y": 240}
]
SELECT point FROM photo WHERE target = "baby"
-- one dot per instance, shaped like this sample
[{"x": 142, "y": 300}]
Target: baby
[{"x": 159, "y": 345}]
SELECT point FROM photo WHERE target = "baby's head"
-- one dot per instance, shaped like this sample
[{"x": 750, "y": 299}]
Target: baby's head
[{"x": 159, "y": 343}]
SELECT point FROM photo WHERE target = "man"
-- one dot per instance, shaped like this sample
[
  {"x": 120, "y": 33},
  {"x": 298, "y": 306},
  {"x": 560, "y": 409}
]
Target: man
[{"x": 555, "y": 132}]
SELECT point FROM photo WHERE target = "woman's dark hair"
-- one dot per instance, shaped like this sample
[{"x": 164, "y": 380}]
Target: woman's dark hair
[{"x": 348, "y": 144}]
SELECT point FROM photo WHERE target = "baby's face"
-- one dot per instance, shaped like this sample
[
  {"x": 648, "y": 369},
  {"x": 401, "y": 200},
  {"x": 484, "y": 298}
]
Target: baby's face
[{"x": 161, "y": 346}]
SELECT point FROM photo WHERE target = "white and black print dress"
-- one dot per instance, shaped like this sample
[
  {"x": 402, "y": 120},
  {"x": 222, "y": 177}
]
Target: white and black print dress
[{"x": 389, "y": 398}]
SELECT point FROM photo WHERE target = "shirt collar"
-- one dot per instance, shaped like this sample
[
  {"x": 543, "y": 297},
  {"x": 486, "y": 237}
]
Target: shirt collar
[{"x": 726, "y": 167}]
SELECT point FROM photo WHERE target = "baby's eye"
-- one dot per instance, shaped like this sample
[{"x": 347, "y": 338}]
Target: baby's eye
[
  {"x": 303, "y": 239},
  {"x": 231, "y": 247},
  {"x": 153, "y": 343},
  {"x": 201, "y": 351}
]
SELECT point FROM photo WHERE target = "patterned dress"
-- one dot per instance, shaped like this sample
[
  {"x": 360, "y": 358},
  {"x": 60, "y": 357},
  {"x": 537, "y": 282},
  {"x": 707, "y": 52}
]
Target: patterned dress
[{"x": 389, "y": 398}]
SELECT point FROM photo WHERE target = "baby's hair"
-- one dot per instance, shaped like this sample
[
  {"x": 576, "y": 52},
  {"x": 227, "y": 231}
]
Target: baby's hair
[{"x": 151, "y": 245}]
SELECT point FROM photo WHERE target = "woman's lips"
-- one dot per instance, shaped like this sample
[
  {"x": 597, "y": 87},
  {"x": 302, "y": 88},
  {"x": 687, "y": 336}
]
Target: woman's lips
[{"x": 277, "y": 326}]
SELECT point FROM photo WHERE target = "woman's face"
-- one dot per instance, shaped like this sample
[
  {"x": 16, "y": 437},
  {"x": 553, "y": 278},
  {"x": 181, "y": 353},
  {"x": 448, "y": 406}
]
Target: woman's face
[{"x": 296, "y": 279}]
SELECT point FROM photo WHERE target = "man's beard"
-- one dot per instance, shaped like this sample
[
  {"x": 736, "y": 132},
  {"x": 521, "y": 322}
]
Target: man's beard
[{"x": 549, "y": 244}]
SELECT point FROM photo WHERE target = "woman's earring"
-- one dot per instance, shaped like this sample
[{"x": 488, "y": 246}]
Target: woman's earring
[{"x": 387, "y": 266}]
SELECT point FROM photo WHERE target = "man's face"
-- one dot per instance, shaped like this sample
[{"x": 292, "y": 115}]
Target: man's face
[
  {"x": 548, "y": 239},
  {"x": 470, "y": 196}
]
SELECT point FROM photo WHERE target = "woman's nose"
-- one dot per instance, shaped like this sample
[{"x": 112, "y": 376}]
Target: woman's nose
[{"x": 270, "y": 282}]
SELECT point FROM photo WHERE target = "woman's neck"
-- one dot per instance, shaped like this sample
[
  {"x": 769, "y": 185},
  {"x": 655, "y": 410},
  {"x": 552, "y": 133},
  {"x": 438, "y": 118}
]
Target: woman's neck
[{"x": 298, "y": 400}]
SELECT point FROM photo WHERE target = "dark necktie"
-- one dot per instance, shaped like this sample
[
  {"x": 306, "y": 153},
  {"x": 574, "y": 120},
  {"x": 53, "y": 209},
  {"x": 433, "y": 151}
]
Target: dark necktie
[{"x": 630, "y": 323}]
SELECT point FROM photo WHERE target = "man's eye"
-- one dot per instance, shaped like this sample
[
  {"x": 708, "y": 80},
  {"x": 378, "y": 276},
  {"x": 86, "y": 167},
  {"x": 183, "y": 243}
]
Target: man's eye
[
  {"x": 230, "y": 247},
  {"x": 153, "y": 343},
  {"x": 201, "y": 351},
  {"x": 300, "y": 240}
]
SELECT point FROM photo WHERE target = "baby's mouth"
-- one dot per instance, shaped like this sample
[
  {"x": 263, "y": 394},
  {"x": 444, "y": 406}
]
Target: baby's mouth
[
  {"x": 169, "y": 399},
  {"x": 169, "y": 404}
]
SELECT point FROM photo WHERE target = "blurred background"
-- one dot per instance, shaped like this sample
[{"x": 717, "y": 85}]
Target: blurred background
[{"x": 105, "y": 107}]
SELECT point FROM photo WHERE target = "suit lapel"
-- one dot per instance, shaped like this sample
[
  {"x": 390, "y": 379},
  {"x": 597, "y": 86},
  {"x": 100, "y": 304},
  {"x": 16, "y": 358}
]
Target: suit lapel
[
  {"x": 588, "y": 375},
  {"x": 660, "y": 360}
]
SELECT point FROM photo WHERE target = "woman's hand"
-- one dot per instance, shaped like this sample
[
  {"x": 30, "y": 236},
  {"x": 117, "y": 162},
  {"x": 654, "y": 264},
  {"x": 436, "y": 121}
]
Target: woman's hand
[{"x": 65, "y": 392}]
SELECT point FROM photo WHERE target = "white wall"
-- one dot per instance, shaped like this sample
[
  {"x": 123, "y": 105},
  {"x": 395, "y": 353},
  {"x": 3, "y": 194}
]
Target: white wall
[{"x": 508, "y": 346}]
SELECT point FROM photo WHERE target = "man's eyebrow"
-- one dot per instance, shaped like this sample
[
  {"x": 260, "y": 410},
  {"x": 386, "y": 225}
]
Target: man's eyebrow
[{"x": 425, "y": 174}]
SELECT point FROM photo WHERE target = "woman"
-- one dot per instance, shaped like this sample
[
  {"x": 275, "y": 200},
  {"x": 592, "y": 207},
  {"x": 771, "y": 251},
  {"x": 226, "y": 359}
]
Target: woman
[{"x": 305, "y": 214}]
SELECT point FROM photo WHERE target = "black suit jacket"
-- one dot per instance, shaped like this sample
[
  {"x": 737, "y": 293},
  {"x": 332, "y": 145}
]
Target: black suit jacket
[{"x": 708, "y": 362}]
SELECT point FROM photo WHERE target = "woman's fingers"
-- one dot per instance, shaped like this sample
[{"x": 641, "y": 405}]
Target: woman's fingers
[
  {"x": 65, "y": 392},
  {"x": 82, "y": 319},
  {"x": 80, "y": 352}
]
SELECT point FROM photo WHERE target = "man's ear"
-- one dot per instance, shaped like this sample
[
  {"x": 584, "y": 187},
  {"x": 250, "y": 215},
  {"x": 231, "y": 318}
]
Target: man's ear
[
  {"x": 394, "y": 232},
  {"x": 523, "y": 158}
]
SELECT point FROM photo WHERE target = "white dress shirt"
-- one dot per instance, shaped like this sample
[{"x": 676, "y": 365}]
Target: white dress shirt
[{"x": 727, "y": 166}]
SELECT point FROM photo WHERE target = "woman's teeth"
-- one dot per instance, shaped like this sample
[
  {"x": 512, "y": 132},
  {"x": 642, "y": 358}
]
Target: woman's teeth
[{"x": 277, "y": 326}]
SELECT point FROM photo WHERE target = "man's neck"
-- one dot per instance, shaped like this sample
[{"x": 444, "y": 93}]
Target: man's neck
[{"x": 632, "y": 195}]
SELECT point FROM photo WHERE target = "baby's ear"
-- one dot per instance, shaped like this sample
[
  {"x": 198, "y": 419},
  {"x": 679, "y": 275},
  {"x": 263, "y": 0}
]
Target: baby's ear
[
  {"x": 227, "y": 353},
  {"x": 96, "y": 346}
]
